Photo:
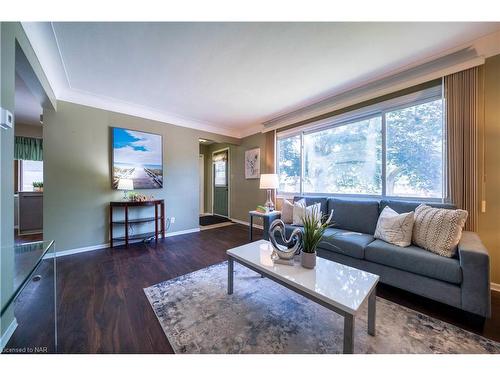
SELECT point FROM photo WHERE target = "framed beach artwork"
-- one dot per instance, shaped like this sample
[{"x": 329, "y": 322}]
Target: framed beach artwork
[
  {"x": 137, "y": 156},
  {"x": 252, "y": 163}
]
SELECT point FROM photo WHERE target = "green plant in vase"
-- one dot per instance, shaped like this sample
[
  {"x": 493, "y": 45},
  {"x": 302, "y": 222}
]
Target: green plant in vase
[
  {"x": 315, "y": 225},
  {"x": 37, "y": 186}
]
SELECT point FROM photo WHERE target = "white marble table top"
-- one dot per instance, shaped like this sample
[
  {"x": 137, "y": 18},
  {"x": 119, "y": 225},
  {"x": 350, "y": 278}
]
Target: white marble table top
[{"x": 339, "y": 285}]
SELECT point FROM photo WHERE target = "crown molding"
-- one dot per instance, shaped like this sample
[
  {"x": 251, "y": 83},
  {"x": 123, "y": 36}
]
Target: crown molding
[
  {"x": 119, "y": 106},
  {"x": 45, "y": 45},
  {"x": 465, "y": 56},
  {"x": 251, "y": 130},
  {"x": 429, "y": 71},
  {"x": 44, "y": 42}
]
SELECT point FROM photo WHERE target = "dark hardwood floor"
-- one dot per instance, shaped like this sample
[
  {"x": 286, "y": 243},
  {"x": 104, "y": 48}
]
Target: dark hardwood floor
[{"x": 102, "y": 307}]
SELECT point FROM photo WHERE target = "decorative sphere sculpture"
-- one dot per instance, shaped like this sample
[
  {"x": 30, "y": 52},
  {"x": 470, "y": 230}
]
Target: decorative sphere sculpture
[{"x": 291, "y": 247}]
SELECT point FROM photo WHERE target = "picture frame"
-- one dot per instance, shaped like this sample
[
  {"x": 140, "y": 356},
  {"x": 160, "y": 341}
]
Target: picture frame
[
  {"x": 252, "y": 163},
  {"x": 136, "y": 156}
]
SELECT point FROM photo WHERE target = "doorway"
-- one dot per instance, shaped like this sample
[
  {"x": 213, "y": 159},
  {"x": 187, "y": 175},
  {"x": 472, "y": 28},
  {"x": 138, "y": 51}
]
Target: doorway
[
  {"x": 220, "y": 188},
  {"x": 214, "y": 165},
  {"x": 201, "y": 166},
  {"x": 28, "y": 154}
]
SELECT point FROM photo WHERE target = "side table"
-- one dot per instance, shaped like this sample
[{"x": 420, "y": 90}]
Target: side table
[{"x": 267, "y": 219}]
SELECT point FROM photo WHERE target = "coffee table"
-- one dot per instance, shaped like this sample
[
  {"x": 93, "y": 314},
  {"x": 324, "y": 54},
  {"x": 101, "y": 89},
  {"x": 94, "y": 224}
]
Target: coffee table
[{"x": 338, "y": 287}]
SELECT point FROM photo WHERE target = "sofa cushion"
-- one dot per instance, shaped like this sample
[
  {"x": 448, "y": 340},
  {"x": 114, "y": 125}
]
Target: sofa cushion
[
  {"x": 357, "y": 215},
  {"x": 407, "y": 206},
  {"x": 345, "y": 242},
  {"x": 312, "y": 200},
  {"x": 416, "y": 260}
]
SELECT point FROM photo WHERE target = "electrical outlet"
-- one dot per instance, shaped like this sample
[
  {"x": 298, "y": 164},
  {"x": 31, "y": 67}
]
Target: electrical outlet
[{"x": 172, "y": 220}]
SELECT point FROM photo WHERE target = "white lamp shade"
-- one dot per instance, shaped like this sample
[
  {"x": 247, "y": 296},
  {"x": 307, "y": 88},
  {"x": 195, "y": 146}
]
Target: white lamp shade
[
  {"x": 269, "y": 181},
  {"x": 125, "y": 184}
]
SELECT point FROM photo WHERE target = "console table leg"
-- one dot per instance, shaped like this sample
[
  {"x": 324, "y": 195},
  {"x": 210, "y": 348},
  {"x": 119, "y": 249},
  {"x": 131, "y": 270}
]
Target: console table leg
[
  {"x": 156, "y": 223},
  {"x": 163, "y": 220},
  {"x": 372, "y": 311},
  {"x": 110, "y": 226},
  {"x": 230, "y": 275},
  {"x": 250, "y": 228},
  {"x": 126, "y": 226},
  {"x": 348, "y": 334}
]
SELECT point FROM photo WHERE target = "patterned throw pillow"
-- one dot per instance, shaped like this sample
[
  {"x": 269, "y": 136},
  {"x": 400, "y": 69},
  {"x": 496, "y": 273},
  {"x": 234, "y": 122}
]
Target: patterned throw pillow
[
  {"x": 300, "y": 210},
  {"x": 438, "y": 229},
  {"x": 287, "y": 212},
  {"x": 395, "y": 228}
]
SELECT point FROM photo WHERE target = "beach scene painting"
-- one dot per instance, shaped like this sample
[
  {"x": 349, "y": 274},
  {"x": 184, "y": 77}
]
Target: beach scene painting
[{"x": 137, "y": 156}]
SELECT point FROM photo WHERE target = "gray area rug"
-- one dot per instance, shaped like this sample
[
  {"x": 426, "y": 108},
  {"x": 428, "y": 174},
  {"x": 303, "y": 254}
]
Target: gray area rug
[{"x": 261, "y": 316}]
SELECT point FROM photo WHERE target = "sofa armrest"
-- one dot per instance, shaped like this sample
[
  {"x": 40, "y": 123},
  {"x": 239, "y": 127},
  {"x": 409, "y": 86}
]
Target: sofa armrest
[{"x": 475, "y": 264}]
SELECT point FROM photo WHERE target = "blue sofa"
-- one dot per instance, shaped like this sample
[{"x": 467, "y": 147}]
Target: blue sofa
[{"x": 462, "y": 281}]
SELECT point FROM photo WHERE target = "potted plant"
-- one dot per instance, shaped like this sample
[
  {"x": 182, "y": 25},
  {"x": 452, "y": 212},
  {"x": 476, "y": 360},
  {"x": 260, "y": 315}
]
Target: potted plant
[
  {"x": 38, "y": 186},
  {"x": 314, "y": 229}
]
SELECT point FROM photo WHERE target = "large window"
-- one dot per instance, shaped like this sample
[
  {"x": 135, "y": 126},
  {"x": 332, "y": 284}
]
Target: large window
[
  {"x": 289, "y": 164},
  {"x": 414, "y": 151},
  {"x": 393, "y": 149},
  {"x": 346, "y": 159}
]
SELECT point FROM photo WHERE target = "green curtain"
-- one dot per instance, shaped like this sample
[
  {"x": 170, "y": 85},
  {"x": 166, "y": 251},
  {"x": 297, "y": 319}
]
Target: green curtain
[{"x": 28, "y": 149}]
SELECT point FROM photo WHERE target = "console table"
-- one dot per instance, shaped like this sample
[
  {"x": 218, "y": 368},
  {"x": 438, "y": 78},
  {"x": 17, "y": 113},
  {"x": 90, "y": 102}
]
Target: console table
[{"x": 159, "y": 215}]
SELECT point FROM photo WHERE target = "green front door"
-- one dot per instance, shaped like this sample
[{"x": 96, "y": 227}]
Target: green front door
[{"x": 220, "y": 183}]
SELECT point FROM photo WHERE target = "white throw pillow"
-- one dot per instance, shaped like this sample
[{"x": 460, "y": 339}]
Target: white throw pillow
[
  {"x": 438, "y": 229},
  {"x": 300, "y": 210},
  {"x": 395, "y": 228},
  {"x": 287, "y": 212}
]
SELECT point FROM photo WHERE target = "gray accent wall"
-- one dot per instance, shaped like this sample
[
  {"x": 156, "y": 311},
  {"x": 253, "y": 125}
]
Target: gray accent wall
[{"x": 77, "y": 173}]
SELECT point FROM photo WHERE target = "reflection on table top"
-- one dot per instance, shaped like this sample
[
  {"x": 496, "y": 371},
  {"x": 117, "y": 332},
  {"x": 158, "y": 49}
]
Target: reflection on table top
[{"x": 24, "y": 260}]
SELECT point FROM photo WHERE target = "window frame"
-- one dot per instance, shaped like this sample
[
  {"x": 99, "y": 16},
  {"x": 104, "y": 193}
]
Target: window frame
[{"x": 378, "y": 109}]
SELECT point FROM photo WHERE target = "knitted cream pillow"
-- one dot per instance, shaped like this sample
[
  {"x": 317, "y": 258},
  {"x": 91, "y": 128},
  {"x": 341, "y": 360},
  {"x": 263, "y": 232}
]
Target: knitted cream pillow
[
  {"x": 395, "y": 228},
  {"x": 438, "y": 229}
]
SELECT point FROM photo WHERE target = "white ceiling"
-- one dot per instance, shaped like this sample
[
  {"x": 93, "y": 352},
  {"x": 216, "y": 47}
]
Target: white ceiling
[
  {"x": 230, "y": 77},
  {"x": 27, "y": 107}
]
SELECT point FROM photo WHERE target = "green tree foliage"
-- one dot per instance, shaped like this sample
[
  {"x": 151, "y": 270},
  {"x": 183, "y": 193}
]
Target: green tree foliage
[
  {"x": 348, "y": 159},
  {"x": 414, "y": 149}
]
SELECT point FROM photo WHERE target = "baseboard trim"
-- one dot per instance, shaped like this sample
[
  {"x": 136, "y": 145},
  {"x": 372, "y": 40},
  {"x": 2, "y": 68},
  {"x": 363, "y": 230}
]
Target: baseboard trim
[
  {"x": 186, "y": 231},
  {"x": 495, "y": 287},
  {"x": 106, "y": 245},
  {"x": 215, "y": 226},
  {"x": 77, "y": 250},
  {"x": 8, "y": 334},
  {"x": 247, "y": 223}
]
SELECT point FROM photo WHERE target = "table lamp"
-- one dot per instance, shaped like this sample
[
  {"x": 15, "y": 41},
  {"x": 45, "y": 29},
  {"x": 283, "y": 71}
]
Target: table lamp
[
  {"x": 125, "y": 184},
  {"x": 270, "y": 182}
]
